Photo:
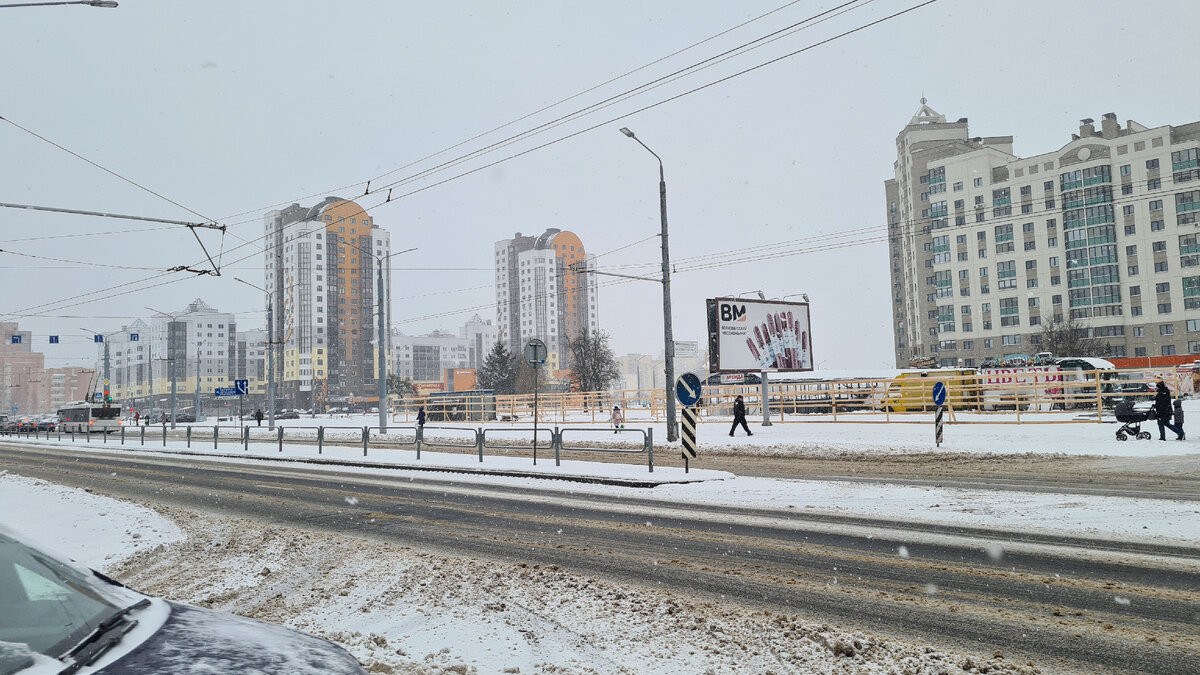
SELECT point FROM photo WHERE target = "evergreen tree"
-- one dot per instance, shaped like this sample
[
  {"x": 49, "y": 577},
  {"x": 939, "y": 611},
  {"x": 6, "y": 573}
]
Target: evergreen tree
[{"x": 499, "y": 372}]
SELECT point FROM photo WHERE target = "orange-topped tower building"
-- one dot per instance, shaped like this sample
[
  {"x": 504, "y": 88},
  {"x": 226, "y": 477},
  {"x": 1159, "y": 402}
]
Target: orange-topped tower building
[
  {"x": 321, "y": 278},
  {"x": 541, "y": 294}
]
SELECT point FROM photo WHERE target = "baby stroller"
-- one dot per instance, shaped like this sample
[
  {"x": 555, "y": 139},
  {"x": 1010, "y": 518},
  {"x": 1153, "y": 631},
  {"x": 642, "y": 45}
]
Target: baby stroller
[{"x": 1131, "y": 415}]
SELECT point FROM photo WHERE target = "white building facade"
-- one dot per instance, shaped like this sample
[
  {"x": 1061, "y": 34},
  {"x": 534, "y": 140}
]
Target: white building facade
[{"x": 985, "y": 248}]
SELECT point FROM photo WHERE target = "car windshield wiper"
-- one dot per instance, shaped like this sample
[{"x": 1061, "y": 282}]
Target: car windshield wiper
[{"x": 107, "y": 634}]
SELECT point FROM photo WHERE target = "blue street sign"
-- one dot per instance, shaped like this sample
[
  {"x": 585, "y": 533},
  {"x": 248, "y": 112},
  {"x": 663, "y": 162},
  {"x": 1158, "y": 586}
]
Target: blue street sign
[
  {"x": 97, "y": 338},
  {"x": 687, "y": 389},
  {"x": 98, "y": 397},
  {"x": 14, "y": 408},
  {"x": 242, "y": 387},
  {"x": 939, "y": 393},
  {"x": 53, "y": 339},
  {"x": 225, "y": 391},
  {"x": 133, "y": 337},
  {"x": 16, "y": 339}
]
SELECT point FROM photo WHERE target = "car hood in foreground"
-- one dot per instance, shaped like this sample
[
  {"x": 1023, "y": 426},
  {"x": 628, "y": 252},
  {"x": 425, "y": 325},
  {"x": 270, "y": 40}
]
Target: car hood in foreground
[{"x": 195, "y": 641}]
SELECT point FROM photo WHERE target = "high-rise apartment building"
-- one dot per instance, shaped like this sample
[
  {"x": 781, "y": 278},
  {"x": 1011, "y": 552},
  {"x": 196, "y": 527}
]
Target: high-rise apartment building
[
  {"x": 540, "y": 293},
  {"x": 26, "y": 385},
  {"x": 321, "y": 278},
  {"x": 196, "y": 346},
  {"x": 985, "y": 248}
]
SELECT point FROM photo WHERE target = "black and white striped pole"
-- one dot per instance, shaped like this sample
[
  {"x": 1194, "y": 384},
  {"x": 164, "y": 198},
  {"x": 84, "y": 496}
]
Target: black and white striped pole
[
  {"x": 687, "y": 390},
  {"x": 939, "y": 399}
]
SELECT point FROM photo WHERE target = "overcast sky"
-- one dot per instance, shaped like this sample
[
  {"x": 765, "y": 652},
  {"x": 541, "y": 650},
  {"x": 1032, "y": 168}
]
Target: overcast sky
[{"x": 230, "y": 108}]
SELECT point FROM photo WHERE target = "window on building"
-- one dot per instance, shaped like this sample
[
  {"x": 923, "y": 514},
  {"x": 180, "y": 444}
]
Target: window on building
[{"x": 978, "y": 182}]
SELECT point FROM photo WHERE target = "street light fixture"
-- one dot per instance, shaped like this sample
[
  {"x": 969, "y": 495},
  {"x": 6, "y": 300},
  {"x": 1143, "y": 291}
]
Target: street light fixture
[
  {"x": 380, "y": 341},
  {"x": 172, "y": 362},
  {"x": 109, "y": 4},
  {"x": 668, "y": 338},
  {"x": 270, "y": 352}
]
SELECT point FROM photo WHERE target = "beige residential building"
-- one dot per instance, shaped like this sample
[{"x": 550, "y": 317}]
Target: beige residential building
[{"x": 985, "y": 247}]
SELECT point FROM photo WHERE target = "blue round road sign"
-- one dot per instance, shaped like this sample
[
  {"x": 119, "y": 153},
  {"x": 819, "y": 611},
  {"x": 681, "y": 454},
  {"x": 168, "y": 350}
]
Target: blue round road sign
[
  {"x": 939, "y": 393},
  {"x": 687, "y": 389}
]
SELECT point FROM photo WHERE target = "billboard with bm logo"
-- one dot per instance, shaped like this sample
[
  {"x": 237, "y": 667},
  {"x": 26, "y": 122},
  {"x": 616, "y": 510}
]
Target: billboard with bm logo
[{"x": 753, "y": 335}]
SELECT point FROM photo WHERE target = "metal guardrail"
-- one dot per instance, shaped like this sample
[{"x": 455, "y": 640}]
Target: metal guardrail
[{"x": 472, "y": 438}]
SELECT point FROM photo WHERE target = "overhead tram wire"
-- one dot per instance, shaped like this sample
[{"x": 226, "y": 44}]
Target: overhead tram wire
[
  {"x": 692, "y": 69},
  {"x": 654, "y": 105},
  {"x": 390, "y": 198},
  {"x": 531, "y": 114},
  {"x": 191, "y": 228}
]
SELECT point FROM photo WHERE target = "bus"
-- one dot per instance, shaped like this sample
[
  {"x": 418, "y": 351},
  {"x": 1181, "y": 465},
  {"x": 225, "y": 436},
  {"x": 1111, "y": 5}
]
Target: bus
[{"x": 82, "y": 416}]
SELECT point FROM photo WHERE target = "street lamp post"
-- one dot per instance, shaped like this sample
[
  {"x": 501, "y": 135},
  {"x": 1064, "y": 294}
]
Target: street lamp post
[
  {"x": 668, "y": 337},
  {"x": 172, "y": 361},
  {"x": 270, "y": 353}
]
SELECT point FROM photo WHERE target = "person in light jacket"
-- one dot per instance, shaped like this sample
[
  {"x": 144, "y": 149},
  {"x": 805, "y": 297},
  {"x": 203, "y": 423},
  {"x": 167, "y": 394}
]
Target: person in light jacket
[{"x": 618, "y": 419}]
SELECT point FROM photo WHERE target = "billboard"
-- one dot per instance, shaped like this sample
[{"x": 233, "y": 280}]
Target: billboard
[{"x": 753, "y": 335}]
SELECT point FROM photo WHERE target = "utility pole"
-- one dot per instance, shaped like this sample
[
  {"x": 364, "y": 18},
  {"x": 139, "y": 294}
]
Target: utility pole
[
  {"x": 381, "y": 348},
  {"x": 196, "y": 405},
  {"x": 270, "y": 351},
  {"x": 668, "y": 336},
  {"x": 173, "y": 358}
]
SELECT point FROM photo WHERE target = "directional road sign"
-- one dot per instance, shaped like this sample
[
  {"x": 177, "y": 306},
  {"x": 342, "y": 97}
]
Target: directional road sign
[
  {"x": 939, "y": 393},
  {"x": 687, "y": 389},
  {"x": 226, "y": 391},
  {"x": 242, "y": 387}
]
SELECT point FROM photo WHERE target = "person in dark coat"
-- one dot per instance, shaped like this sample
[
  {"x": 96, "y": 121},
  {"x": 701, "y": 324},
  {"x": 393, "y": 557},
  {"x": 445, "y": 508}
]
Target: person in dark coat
[
  {"x": 1179, "y": 417},
  {"x": 258, "y": 416},
  {"x": 1164, "y": 411},
  {"x": 421, "y": 416},
  {"x": 739, "y": 416}
]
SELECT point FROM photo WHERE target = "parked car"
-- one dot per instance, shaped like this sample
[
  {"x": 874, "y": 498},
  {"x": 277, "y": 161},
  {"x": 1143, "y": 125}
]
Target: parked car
[
  {"x": 61, "y": 617},
  {"x": 287, "y": 415}
]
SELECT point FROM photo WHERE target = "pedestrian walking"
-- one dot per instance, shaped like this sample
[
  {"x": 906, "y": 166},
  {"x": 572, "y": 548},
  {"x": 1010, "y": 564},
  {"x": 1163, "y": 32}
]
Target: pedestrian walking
[
  {"x": 618, "y": 419},
  {"x": 421, "y": 416},
  {"x": 739, "y": 416},
  {"x": 137, "y": 418},
  {"x": 258, "y": 416},
  {"x": 1164, "y": 411}
]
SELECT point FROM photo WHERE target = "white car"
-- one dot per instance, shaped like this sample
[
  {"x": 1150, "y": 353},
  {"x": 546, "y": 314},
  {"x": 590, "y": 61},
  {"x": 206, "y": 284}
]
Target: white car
[{"x": 57, "y": 617}]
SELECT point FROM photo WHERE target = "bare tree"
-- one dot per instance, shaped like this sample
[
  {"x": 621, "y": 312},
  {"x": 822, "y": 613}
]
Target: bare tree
[
  {"x": 593, "y": 366},
  {"x": 1069, "y": 337}
]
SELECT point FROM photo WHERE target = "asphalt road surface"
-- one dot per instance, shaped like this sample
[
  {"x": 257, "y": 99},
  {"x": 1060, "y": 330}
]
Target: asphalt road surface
[{"x": 1066, "y": 603}]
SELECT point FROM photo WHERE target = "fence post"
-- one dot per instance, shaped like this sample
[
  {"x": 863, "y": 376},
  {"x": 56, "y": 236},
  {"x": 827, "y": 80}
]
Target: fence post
[
  {"x": 280, "y": 437},
  {"x": 72, "y": 434},
  {"x": 122, "y": 434},
  {"x": 89, "y": 435},
  {"x": 556, "y": 441},
  {"x": 164, "y": 434},
  {"x": 420, "y": 439},
  {"x": 246, "y": 439},
  {"x": 650, "y": 446},
  {"x": 1099, "y": 397},
  {"x": 189, "y": 437},
  {"x": 216, "y": 435},
  {"x": 143, "y": 435},
  {"x": 366, "y": 439},
  {"x": 106, "y": 430},
  {"x": 320, "y": 440},
  {"x": 479, "y": 443}
]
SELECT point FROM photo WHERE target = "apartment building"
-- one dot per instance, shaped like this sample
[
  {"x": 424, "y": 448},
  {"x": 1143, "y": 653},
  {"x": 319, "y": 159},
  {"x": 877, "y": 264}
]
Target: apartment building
[
  {"x": 985, "y": 247},
  {"x": 541, "y": 294},
  {"x": 321, "y": 280}
]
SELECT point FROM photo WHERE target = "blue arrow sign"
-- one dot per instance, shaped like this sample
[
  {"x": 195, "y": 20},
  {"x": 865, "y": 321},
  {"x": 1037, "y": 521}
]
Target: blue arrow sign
[
  {"x": 939, "y": 393},
  {"x": 53, "y": 339},
  {"x": 133, "y": 337},
  {"x": 16, "y": 339},
  {"x": 97, "y": 338},
  {"x": 687, "y": 389},
  {"x": 242, "y": 387},
  {"x": 225, "y": 391}
]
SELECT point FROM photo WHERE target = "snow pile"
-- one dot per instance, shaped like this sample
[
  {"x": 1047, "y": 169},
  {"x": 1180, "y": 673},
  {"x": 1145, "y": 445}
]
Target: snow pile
[
  {"x": 404, "y": 611},
  {"x": 94, "y": 531}
]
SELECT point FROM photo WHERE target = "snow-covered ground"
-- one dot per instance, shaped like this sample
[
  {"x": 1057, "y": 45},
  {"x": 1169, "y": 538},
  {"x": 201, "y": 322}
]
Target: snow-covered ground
[
  {"x": 404, "y": 611},
  {"x": 401, "y": 610}
]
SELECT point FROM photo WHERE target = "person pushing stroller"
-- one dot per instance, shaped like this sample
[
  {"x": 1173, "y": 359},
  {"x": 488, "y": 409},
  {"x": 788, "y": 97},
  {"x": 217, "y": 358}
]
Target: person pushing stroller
[{"x": 1165, "y": 412}]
